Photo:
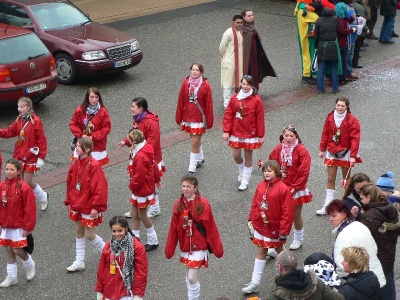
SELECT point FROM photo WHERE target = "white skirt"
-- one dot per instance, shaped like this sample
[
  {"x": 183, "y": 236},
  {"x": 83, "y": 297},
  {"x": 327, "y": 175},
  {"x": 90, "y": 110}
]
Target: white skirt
[{"x": 12, "y": 238}]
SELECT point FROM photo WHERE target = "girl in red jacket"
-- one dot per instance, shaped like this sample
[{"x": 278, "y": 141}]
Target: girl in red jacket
[
  {"x": 244, "y": 128},
  {"x": 91, "y": 119},
  {"x": 17, "y": 219},
  {"x": 271, "y": 217},
  {"x": 194, "y": 112},
  {"x": 31, "y": 146},
  {"x": 144, "y": 178},
  {"x": 193, "y": 225},
  {"x": 87, "y": 192},
  {"x": 123, "y": 267},
  {"x": 340, "y": 140},
  {"x": 295, "y": 162},
  {"x": 148, "y": 123}
]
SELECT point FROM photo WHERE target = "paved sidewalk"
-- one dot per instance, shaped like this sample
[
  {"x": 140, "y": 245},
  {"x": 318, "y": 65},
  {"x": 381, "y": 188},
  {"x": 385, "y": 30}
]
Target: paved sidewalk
[{"x": 104, "y": 11}]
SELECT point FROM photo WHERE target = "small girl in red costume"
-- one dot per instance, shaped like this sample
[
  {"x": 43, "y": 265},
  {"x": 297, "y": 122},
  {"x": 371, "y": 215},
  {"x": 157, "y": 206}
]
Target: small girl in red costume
[
  {"x": 17, "y": 219},
  {"x": 123, "y": 267},
  {"x": 244, "y": 128},
  {"x": 295, "y": 162},
  {"x": 271, "y": 217},
  {"x": 193, "y": 225},
  {"x": 87, "y": 192},
  {"x": 144, "y": 178},
  {"x": 91, "y": 119},
  {"x": 194, "y": 112},
  {"x": 31, "y": 146},
  {"x": 148, "y": 123}
]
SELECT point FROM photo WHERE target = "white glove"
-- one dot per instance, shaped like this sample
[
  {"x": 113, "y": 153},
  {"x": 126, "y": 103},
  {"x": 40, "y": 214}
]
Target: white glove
[
  {"x": 39, "y": 163},
  {"x": 251, "y": 229},
  {"x": 34, "y": 150},
  {"x": 137, "y": 298},
  {"x": 99, "y": 296}
]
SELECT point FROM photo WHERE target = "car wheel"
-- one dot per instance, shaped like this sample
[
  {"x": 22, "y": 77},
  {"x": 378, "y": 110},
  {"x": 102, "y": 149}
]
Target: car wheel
[{"x": 66, "y": 68}]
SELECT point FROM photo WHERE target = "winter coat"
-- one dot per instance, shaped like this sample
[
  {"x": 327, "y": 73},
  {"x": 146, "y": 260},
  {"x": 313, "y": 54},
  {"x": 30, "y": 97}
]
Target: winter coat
[
  {"x": 279, "y": 212},
  {"x": 189, "y": 111},
  {"x": 343, "y": 32},
  {"x": 357, "y": 234},
  {"x": 298, "y": 172},
  {"x": 349, "y": 135},
  {"x": 383, "y": 221},
  {"x": 34, "y": 137},
  {"x": 198, "y": 241},
  {"x": 361, "y": 286},
  {"x": 299, "y": 285},
  {"x": 93, "y": 186},
  {"x": 111, "y": 285},
  {"x": 325, "y": 35},
  {"x": 388, "y": 8}
]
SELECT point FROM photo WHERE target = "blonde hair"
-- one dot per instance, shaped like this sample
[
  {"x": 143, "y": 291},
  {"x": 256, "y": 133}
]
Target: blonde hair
[
  {"x": 135, "y": 136},
  {"x": 85, "y": 143},
  {"x": 28, "y": 102},
  {"x": 357, "y": 258}
]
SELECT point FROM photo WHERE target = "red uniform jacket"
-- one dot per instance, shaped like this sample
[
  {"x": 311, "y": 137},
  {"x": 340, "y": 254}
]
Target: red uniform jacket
[
  {"x": 349, "y": 135},
  {"x": 93, "y": 189},
  {"x": 199, "y": 241},
  {"x": 150, "y": 126},
  {"x": 143, "y": 172},
  {"x": 102, "y": 127},
  {"x": 34, "y": 137},
  {"x": 112, "y": 286},
  {"x": 298, "y": 172},
  {"x": 20, "y": 211},
  {"x": 251, "y": 125},
  {"x": 188, "y": 111},
  {"x": 280, "y": 212}
]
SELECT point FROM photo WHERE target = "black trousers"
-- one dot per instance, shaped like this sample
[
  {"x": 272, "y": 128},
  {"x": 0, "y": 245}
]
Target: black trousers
[
  {"x": 372, "y": 21},
  {"x": 357, "y": 47}
]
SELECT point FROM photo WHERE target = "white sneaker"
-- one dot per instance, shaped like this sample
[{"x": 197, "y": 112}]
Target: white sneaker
[
  {"x": 272, "y": 252},
  {"x": 151, "y": 213},
  {"x": 295, "y": 245},
  {"x": 76, "y": 266},
  {"x": 30, "y": 271},
  {"x": 9, "y": 281},
  {"x": 128, "y": 214},
  {"x": 251, "y": 288},
  {"x": 243, "y": 186},
  {"x": 321, "y": 212},
  {"x": 45, "y": 203}
]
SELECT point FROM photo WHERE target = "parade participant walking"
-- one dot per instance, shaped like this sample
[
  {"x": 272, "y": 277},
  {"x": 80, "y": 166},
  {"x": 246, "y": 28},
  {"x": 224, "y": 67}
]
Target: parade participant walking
[
  {"x": 244, "y": 128},
  {"x": 193, "y": 225},
  {"x": 91, "y": 119},
  {"x": 148, "y": 123},
  {"x": 271, "y": 216},
  {"x": 30, "y": 148},
  {"x": 144, "y": 178},
  {"x": 17, "y": 220},
  {"x": 87, "y": 193},
  {"x": 340, "y": 140},
  {"x": 295, "y": 163},
  {"x": 256, "y": 62},
  {"x": 232, "y": 60},
  {"x": 123, "y": 267},
  {"x": 194, "y": 112}
]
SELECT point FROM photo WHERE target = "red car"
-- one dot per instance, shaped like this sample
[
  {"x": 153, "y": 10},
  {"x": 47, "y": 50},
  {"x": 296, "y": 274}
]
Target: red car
[
  {"x": 27, "y": 68},
  {"x": 80, "y": 46}
]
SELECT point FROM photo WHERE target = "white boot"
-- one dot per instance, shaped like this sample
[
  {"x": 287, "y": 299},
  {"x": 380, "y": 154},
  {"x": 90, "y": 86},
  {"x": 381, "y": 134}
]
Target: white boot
[
  {"x": 254, "y": 285},
  {"x": 194, "y": 291},
  {"x": 298, "y": 239},
  {"x": 199, "y": 158},
  {"x": 79, "y": 263},
  {"x": 245, "y": 178},
  {"x": 240, "y": 168},
  {"x": 330, "y": 194},
  {"x": 192, "y": 163}
]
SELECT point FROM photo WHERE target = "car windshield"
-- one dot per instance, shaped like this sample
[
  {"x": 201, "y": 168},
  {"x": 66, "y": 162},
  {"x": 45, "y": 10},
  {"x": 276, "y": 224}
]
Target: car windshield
[
  {"x": 11, "y": 48},
  {"x": 58, "y": 15}
]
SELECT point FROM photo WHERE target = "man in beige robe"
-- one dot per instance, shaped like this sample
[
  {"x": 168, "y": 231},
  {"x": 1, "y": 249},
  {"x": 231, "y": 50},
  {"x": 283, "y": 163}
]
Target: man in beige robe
[{"x": 231, "y": 52}]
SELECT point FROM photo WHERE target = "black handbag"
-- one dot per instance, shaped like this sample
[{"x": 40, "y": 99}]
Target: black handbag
[{"x": 31, "y": 243}]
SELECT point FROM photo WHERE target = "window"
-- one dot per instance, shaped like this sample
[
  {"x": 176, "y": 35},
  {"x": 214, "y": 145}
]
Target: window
[{"x": 14, "y": 15}]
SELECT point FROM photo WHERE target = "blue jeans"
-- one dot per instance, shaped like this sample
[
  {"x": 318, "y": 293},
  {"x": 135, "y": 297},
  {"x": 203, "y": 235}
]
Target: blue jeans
[
  {"x": 388, "y": 292},
  {"x": 321, "y": 75},
  {"x": 387, "y": 28},
  {"x": 344, "y": 54},
  {"x": 349, "y": 61}
]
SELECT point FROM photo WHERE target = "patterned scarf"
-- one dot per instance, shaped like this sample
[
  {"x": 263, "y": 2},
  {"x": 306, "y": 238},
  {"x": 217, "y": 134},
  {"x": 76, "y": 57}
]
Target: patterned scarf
[
  {"x": 117, "y": 247},
  {"x": 195, "y": 84},
  {"x": 140, "y": 116},
  {"x": 287, "y": 151},
  {"x": 93, "y": 109},
  {"x": 236, "y": 52}
]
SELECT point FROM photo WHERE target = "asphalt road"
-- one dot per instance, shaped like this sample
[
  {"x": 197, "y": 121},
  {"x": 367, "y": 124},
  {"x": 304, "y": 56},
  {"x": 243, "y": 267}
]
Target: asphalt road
[{"x": 171, "y": 42}]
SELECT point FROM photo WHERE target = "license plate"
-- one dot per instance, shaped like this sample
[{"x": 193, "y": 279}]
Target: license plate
[
  {"x": 122, "y": 63},
  {"x": 35, "y": 88}
]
